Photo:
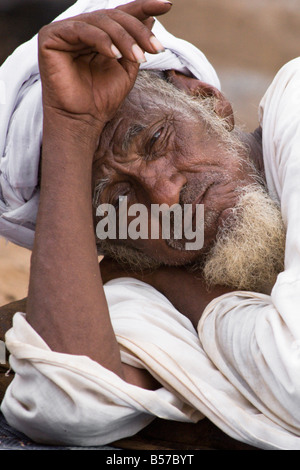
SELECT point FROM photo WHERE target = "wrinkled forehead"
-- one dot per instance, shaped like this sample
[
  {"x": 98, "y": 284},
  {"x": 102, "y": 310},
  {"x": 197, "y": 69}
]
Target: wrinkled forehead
[{"x": 150, "y": 100}]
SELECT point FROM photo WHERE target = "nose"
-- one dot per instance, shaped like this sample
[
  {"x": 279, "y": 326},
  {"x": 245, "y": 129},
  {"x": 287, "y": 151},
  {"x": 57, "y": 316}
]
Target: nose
[{"x": 162, "y": 186}]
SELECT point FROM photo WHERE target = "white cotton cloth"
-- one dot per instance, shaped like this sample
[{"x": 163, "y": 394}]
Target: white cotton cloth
[
  {"x": 64, "y": 399},
  {"x": 241, "y": 371},
  {"x": 254, "y": 340},
  {"x": 21, "y": 118}
]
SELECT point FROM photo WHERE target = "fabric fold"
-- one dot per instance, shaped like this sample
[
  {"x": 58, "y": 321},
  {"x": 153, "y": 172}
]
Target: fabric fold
[{"x": 90, "y": 405}]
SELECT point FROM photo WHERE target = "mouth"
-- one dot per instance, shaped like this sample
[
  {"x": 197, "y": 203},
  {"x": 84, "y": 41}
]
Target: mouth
[
  {"x": 192, "y": 219},
  {"x": 201, "y": 198}
]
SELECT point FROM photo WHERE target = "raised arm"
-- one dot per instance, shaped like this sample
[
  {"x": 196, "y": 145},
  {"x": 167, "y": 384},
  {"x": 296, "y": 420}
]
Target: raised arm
[{"x": 84, "y": 80}]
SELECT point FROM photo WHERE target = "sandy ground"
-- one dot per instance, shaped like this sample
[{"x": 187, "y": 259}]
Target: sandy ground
[
  {"x": 246, "y": 41},
  {"x": 14, "y": 271}
]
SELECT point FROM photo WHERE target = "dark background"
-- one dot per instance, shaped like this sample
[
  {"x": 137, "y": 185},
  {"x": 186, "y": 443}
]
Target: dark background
[
  {"x": 247, "y": 41},
  {"x": 21, "y": 19}
]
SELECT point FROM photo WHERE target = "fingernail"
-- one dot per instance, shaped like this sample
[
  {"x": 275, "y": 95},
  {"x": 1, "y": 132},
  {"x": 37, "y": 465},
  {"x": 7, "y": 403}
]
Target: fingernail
[
  {"x": 156, "y": 44},
  {"x": 164, "y": 1},
  {"x": 138, "y": 54},
  {"x": 116, "y": 52}
]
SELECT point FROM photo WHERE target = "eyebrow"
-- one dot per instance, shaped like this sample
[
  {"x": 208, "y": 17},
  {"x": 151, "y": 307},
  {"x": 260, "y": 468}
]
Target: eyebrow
[
  {"x": 100, "y": 186},
  {"x": 133, "y": 131}
]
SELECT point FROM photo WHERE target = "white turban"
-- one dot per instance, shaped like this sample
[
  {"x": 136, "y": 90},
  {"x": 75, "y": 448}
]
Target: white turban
[{"x": 21, "y": 119}]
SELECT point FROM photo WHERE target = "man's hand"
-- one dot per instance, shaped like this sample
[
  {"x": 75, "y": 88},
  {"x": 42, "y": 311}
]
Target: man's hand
[{"x": 89, "y": 63}]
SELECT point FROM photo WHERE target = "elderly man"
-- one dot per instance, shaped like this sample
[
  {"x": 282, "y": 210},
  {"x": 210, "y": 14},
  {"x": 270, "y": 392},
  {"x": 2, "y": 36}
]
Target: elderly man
[{"x": 95, "y": 363}]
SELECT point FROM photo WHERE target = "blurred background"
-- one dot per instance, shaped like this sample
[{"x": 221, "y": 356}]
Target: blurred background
[{"x": 246, "y": 41}]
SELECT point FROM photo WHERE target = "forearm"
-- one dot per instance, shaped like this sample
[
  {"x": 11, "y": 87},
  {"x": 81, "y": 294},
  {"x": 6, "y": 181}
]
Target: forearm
[{"x": 66, "y": 301}]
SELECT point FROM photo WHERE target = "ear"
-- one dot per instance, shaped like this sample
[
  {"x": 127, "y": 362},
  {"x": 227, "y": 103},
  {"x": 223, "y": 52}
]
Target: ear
[{"x": 195, "y": 87}]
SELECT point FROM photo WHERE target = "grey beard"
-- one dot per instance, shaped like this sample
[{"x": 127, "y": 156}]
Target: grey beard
[{"x": 249, "y": 251}]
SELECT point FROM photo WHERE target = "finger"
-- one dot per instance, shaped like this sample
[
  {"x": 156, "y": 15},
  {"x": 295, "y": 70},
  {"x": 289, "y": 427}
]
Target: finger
[
  {"x": 129, "y": 36},
  {"x": 113, "y": 33},
  {"x": 143, "y": 9},
  {"x": 78, "y": 38},
  {"x": 149, "y": 22},
  {"x": 111, "y": 39},
  {"x": 140, "y": 31}
]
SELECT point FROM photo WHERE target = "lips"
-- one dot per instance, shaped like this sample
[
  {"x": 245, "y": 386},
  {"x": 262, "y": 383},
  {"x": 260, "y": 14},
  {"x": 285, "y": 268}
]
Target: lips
[
  {"x": 189, "y": 205},
  {"x": 192, "y": 211},
  {"x": 203, "y": 195},
  {"x": 200, "y": 200}
]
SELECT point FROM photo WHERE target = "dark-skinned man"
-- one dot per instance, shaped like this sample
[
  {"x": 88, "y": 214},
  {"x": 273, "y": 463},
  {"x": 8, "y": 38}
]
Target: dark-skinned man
[{"x": 129, "y": 351}]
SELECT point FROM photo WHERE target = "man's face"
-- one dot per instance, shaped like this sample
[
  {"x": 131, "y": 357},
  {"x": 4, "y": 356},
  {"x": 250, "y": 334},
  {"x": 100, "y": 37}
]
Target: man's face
[{"x": 157, "y": 155}]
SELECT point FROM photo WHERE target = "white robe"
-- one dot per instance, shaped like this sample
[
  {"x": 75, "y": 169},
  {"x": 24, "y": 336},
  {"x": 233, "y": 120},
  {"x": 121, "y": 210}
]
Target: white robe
[
  {"x": 241, "y": 371},
  {"x": 254, "y": 340}
]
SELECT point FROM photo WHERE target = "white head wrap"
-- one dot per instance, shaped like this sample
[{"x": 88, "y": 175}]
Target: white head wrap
[{"x": 21, "y": 118}]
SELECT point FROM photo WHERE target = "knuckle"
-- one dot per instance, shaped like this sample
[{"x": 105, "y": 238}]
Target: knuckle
[
  {"x": 101, "y": 16},
  {"x": 121, "y": 17},
  {"x": 44, "y": 37},
  {"x": 75, "y": 26},
  {"x": 43, "y": 33},
  {"x": 114, "y": 13}
]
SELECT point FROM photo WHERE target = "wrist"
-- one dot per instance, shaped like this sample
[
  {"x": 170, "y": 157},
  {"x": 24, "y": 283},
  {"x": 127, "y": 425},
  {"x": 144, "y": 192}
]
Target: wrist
[
  {"x": 82, "y": 131},
  {"x": 68, "y": 150}
]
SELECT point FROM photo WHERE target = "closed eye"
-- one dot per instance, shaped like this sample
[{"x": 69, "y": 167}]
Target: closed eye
[
  {"x": 117, "y": 203},
  {"x": 119, "y": 194},
  {"x": 155, "y": 137}
]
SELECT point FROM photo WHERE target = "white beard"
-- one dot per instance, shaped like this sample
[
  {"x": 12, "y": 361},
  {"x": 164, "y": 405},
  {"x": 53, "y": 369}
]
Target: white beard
[{"x": 249, "y": 251}]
